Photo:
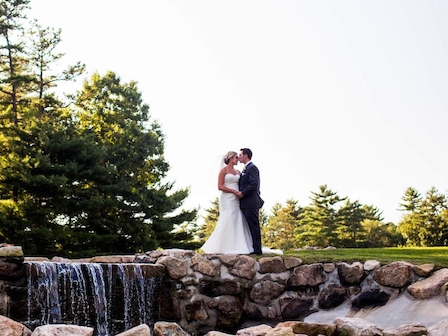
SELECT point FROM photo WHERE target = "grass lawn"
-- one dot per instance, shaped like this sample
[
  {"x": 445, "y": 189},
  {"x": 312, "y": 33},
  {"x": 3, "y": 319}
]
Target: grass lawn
[{"x": 415, "y": 255}]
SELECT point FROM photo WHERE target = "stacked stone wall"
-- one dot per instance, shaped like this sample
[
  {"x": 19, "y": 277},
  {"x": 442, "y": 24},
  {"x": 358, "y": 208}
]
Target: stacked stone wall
[
  {"x": 204, "y": 293},
  {"x": 230, "y": 292}
]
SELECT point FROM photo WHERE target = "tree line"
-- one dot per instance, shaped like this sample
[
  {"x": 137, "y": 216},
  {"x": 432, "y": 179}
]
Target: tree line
[{"x": 332, "y": 220}]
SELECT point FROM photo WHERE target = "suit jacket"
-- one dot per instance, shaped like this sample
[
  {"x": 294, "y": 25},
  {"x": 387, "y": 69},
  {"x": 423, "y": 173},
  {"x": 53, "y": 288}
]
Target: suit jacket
[{"x": 249, "y": 185}]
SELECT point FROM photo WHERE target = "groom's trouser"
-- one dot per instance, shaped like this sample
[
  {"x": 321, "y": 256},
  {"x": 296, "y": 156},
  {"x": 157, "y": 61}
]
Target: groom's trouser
[{"x": 252, "y": 217}]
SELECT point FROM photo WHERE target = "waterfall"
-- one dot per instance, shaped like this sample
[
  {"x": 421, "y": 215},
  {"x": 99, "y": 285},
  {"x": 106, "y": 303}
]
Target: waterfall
[{"x": 110, "y": 298}]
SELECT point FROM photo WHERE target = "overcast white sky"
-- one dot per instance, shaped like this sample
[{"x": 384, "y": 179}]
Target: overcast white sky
[{"x": 352, "y": 94}]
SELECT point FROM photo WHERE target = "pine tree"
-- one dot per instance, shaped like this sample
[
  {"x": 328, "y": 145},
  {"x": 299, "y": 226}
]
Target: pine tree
[
  {"x": 78, "y": 181},
  {"x": 32, "y": 127},
  {"x": 14, "y": 64},
  {"x": 351, "y": 215},
  {"x": 424, "y": 223},
  {"x": 126, "y": 206},
  {"x": 436, "y": 229},
  {"x": 210, "y": 220},
  {"x": 42, "y": 53},
  {"x": 321, "y": 221}
]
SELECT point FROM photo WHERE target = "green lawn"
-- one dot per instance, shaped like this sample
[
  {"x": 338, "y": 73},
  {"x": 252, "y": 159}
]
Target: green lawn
[{"x": 415, "y": 255}]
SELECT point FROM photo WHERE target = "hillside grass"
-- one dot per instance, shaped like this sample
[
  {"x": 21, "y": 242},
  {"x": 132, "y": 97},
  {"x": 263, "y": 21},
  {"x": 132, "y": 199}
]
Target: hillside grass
[{"x": 415, "y": 255}]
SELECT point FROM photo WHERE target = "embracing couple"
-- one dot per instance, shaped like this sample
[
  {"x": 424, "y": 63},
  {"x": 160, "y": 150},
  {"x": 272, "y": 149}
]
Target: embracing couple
[{"x": 238, "y": 228}]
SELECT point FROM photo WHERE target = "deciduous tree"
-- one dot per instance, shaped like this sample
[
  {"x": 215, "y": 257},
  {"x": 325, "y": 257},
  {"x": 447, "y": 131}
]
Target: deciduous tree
[{"x": 281, "y": 229}]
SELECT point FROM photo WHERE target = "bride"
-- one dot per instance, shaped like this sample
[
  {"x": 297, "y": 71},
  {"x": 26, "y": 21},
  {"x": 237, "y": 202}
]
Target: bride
[{"x": 231, "y": 234}]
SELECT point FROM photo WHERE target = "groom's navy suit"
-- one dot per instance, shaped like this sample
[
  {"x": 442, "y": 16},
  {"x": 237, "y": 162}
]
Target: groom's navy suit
[{"x": 251, "y": 202}]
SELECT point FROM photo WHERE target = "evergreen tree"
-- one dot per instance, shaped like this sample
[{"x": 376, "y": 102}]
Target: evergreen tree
[
  {"x": 210, "y": 220},
  {"x": 32, "y": 127},
  {"x": 351, "y": 215},
  {"x": 424, "y": 223},
  {"x": 126, "y": 207},
  {"x": 184, "y": 235},
  {"x": 268, "y": 228},
  {"x": 16, "y": 130},
  {"x": 436, "y": 229},
  {"x": 41, "y": 50},
  {"x": 83, "y": 181},
  {"x": 373, "y": 213},
  {"x": 321, "y": 221},
  {"x": 264, "y": 219},
  {"x": 411, "y": 200},
  {"x": 14, "y": 76},
  {"x": 411, "y": 224}
]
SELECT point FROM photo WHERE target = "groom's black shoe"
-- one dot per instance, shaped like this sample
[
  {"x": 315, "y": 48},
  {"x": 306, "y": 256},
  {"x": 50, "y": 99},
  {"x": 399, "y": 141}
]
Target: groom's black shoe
[{"x": 255, "y": 253}]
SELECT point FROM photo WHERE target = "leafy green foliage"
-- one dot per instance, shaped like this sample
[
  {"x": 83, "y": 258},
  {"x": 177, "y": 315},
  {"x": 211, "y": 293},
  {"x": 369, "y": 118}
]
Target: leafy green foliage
[
  {"x": 280, "y": 231},
  {"x": 375, "y": 233},
  {"x": 291, "y": 226},
  {"x": 425, "y": 222},
  {"x": 210, "y": 220},
  {"x": 84, "y": 179},
  {"x": 321, "y": 219}
]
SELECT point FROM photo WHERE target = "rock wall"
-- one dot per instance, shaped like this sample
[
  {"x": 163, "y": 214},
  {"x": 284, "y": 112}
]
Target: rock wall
[
  {"x": 229, "y": 292},
  {"x": 13, "y": 284}
]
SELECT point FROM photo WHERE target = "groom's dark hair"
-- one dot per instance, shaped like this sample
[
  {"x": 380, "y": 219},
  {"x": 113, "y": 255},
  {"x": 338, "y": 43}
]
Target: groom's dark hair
[{"x": 247, "y": 151}]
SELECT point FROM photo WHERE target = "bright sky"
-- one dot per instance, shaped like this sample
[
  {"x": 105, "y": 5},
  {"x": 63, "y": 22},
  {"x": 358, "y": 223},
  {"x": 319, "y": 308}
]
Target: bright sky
[{"x": 352, "y": 94}]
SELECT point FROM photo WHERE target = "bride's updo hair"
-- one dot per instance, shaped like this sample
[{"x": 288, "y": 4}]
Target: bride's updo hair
[{"x": 229, "y": 156}]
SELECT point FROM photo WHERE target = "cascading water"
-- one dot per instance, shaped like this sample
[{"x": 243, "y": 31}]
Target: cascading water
[{"x": 110, "y": 298}]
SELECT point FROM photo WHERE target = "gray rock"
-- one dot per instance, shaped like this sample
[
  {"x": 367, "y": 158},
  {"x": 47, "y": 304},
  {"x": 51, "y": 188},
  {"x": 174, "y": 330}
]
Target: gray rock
[
  {"x": 430, "y": 286},
  {"x": 354, "y": 326}
]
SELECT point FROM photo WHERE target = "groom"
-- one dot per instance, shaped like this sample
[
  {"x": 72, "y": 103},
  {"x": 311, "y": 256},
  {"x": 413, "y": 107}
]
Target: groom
[{"x": 249, "y": 194}]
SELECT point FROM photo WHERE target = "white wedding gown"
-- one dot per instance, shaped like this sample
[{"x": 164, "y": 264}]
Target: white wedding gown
[{"x": 231, "y": 234}]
